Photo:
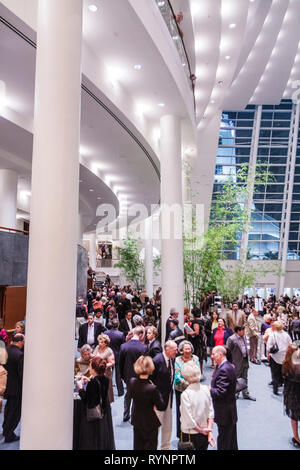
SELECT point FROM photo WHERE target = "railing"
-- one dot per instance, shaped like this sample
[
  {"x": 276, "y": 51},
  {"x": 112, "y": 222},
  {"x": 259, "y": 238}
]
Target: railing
[
  {"x": 14, "y": 230},
  {"x": 169, "y": 16}
]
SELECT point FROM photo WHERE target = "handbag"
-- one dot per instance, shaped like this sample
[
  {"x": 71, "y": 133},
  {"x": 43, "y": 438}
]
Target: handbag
[
  {"x": 274, "y": 349},
  {"x": 241, "y": 384},
  {"x": 185, "y": 445},
  {"x": 95, "y": 413}
]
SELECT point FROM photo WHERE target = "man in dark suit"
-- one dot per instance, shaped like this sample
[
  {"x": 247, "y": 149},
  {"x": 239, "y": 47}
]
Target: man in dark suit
[
  {"x": 163, "y": 377},
  {"x": 123, "y": 305},
  {"x": 222, "y": 390},
  {"x": 154, "y": 346},
  {"x": 129, "y": 353},
  {"x": 13, "y": 392},
  {"x": 89, "y": 332},
  {"x": 173, "y": 316},
  {"x": 126, "y": 324},
  {"x": 117, "y": 338},
  {"x": 238, "y": 347}
]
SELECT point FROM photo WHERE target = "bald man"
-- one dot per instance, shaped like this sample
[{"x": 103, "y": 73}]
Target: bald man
[
  {"x": 163, "y": 378},
  {"x": 223, "y": 386}
]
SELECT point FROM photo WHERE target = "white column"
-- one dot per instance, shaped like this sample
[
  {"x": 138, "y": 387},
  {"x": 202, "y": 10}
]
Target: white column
[
  {"x": 80, "y": 228},
  {"x": 171, "y": 194},
  {"x": 8, "y": 198},
  {"x": 250, "y": 185},
  {"x": 289, "y": 186},
  {"x": 47, "y": 407},
  {"x": 93, "y": 252},
  {"x": 149, "y": 257}
]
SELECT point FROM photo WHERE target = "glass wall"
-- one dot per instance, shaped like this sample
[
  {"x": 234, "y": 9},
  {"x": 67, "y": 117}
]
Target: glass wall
[{"x": 234, "y": 150}]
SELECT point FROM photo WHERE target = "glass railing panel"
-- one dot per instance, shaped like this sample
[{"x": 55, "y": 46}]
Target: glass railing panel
[{"x": 169, "y": 17}]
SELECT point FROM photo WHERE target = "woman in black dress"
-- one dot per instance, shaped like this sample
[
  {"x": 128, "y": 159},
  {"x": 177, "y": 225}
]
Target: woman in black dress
[
  {"x": 95, "y": 435},
  {"x": 291, "y": 391},
  {"x": 199, "y": 340},
  {"x": 146, "y": 397}
]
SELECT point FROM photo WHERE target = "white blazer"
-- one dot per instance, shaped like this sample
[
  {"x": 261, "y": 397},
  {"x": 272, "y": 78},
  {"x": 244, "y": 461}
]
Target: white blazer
[{"x": 195, "y": 408}]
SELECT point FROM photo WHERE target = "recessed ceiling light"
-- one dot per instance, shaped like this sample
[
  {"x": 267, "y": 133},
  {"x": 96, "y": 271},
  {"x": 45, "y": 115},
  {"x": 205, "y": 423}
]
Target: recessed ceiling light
[
  {"x": 93, "y": 8},
  {"x": 138, "y": 67},
  {"x": 161, "y": 4},
  {"x": 99, "y": 198},
  {"x": 220, "y": 82},
  {"x": 227, "y": 57},
  {"x": 3, "y": 101},
  {"x": 232, "y": 25},
  {"x": 162, "y": 105},
  {"x": 91, "y": 190}
]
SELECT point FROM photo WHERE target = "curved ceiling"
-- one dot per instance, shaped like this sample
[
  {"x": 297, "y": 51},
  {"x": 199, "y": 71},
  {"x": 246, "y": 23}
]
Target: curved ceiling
[
  {"x": 116, "y": 160},
  {"x": 246, "y": 52}
]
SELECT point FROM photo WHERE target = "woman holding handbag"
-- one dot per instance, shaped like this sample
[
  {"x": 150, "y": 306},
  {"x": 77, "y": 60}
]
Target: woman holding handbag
[
  {"x": 96, "y": 428},
  {"x": 277, "y": 345},
  {"x": 196, "y": 410},
  {"x": 146, "y": 398}
]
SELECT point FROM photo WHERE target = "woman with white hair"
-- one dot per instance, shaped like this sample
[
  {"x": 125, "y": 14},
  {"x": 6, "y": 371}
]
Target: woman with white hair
[
  {"x": 277, "y": 345},
  {"x": 196, "y": 410},
  {"x": 186, "y": 356},
  {"x": 82, "y": 364}
]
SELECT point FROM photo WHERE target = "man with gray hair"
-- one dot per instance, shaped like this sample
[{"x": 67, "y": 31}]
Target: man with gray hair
[
  {"x": 163, "y": 378},
  {"x": 253, "y": 333},
  {"x": 222, "y": 390}
]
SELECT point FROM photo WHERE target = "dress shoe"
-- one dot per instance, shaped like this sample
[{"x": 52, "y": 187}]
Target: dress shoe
[
  {"x": 12, "y": 439},
  {"x": 296, "y": 443},
  {"x": 126, "y": 419},
  {"x": 248, "y": 397},
  {"x": 255, "y": 361}
]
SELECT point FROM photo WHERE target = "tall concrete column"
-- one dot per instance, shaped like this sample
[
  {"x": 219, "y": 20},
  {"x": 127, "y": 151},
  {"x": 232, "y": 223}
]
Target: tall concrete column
[
  {"x": 8, "y": 198},
  {"x": 171, "y": 195},
  {"x": 149, "y": 257},
  {"x": 80, "y": 228},
  {"x": 47, "y": 406},
  {"x": 250, "y": 185},
  {"x": 288, "y": 193},
  {"x": 93, "y": 252}
]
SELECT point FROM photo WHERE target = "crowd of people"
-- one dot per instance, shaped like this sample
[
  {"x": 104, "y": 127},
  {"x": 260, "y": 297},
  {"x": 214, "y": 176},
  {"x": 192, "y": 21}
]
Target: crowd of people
[
  {"x": 119, "y": 332},
  {"x": 149, "y": 367}
]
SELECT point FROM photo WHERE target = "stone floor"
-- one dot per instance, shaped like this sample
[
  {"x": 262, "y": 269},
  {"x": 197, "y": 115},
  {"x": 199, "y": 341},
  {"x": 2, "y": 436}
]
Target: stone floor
[{"x": 262, "y": 425}]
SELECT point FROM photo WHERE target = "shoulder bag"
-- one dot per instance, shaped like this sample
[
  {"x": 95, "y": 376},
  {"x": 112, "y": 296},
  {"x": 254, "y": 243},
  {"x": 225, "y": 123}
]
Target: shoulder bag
[
  {"x": 274, "y": 349},
  {"x": 96, "y": 413},
  {"x": 185, "y": 445}
]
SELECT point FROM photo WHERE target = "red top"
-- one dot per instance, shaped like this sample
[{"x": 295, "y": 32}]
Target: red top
[{"x": 219, "y": 337}]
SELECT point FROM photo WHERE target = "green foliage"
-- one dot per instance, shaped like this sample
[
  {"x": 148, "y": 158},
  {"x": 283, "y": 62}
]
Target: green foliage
[
  {"x": 156, "y": 265},
  {"x": 132, "y": 267},
  {"x": 239, "y": 277},
  {"x": 203, "y": 254},
  {"x": 130, "y": 264}
]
